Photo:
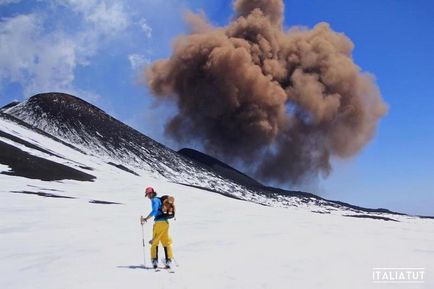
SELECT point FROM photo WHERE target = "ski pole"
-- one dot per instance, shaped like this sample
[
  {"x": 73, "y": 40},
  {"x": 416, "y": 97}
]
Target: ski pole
[{"x": 144, "y": 250}]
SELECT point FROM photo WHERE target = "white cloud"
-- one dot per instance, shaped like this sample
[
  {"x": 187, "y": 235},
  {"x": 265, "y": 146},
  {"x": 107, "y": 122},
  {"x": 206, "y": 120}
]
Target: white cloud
[
  {"x": 41, "y": 60},
  {"x": 37, "y": 61},
  {"x": 112, "y": 17},
  {"x": 42, "y": 52},
  {"x": 145, "y": 27},
  {"x": 107, "y": 17},
  {"x": 138, "y": 61}
]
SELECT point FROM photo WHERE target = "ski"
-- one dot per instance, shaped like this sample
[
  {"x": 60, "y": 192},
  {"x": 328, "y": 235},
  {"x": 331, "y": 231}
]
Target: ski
[
  {"x": 158, "y": 269},
  {"x": 169, "y": 269}
]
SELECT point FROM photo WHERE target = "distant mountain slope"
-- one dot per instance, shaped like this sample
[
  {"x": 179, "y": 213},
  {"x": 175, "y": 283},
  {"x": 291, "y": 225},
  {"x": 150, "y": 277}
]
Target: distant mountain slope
[
  {"x": 220, "y": 167},
  {"x": 87, "y": 144},
  {"x": 240, "y": 178},
  {"x": 86, "y": 128},
  {"x": 89, "y": 128}
]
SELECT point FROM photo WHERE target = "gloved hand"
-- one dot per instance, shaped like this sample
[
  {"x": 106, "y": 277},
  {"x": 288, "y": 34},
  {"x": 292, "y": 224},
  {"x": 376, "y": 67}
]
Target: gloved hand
[{"x": 142, "y": 220}]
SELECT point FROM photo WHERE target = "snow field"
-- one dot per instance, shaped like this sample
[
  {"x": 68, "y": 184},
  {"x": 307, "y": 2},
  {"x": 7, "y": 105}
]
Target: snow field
[{"x": 219, "y": 242}]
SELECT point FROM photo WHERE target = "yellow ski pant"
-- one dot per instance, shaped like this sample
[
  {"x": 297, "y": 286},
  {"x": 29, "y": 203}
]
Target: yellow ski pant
[{"x": 161, "y": 234}]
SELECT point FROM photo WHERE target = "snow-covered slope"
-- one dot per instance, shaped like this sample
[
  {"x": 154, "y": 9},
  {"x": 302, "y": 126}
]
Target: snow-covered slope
[
  {"x": 71, "y": 193},
  {"x": 52, "y": 243},
  {"x": 86, "y": 136}
]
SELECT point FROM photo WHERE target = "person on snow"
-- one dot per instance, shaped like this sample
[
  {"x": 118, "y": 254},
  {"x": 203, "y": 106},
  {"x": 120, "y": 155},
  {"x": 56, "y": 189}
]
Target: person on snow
[{"x": 160, "y": 229}]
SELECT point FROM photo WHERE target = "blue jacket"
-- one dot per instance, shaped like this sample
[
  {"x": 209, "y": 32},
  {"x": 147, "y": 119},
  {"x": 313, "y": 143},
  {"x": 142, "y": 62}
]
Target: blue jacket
[{"x": 156, "y": 210}]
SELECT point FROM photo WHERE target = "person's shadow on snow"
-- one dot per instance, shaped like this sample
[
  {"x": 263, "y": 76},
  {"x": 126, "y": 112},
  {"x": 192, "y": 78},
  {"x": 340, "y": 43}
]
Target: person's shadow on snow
[{"x": 135, "y": 267}]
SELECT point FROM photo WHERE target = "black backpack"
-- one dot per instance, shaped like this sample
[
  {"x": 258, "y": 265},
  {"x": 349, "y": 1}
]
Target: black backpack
[{"x": 167, "y": 209}]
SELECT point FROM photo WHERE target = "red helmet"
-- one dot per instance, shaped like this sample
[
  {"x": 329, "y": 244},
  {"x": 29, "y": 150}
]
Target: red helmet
[{"x": 149, "y": 190}]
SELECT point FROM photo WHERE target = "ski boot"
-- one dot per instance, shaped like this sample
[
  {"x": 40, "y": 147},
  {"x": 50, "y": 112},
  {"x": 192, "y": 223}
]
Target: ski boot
[
  {"x": 168, "y": 264},
  {"x": 155, "y": 263}
]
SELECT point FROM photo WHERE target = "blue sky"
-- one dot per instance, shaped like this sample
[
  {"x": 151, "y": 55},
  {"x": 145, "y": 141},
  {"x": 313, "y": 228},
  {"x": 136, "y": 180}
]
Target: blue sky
[{"x": 96, "y": 49}]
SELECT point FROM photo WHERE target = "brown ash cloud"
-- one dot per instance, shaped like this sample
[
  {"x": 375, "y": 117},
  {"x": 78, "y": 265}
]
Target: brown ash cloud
[{"x": 282, "y": 102}]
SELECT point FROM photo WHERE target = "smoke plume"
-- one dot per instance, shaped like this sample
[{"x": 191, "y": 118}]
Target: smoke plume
[{"x": 283, "y": 102}]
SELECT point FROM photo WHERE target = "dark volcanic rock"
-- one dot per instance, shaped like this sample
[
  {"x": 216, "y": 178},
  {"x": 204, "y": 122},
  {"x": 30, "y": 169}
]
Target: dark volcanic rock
[
  {"x": 26, "y": 165},
  {"x": 103, "y": 202},
  {"x": 121, "y": 167},
  {"x": 42, "y": 194},
  {"x": 26, "y": 143},
  {"x": 371, "y": 217}
]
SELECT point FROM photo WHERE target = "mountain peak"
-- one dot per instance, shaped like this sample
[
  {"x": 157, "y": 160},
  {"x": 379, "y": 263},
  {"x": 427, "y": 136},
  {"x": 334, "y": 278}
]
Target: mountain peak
[
  {"x": 58, "y": 105},
  {"x": 66, "y": 115},
  {"x": 57, "y": 97},
  {"x": 90, "y": 129},
  {"x": 77, "y": 121}
]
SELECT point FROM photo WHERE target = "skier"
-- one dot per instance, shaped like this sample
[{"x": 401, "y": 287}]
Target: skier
[{"x": 160, "y": 230}]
